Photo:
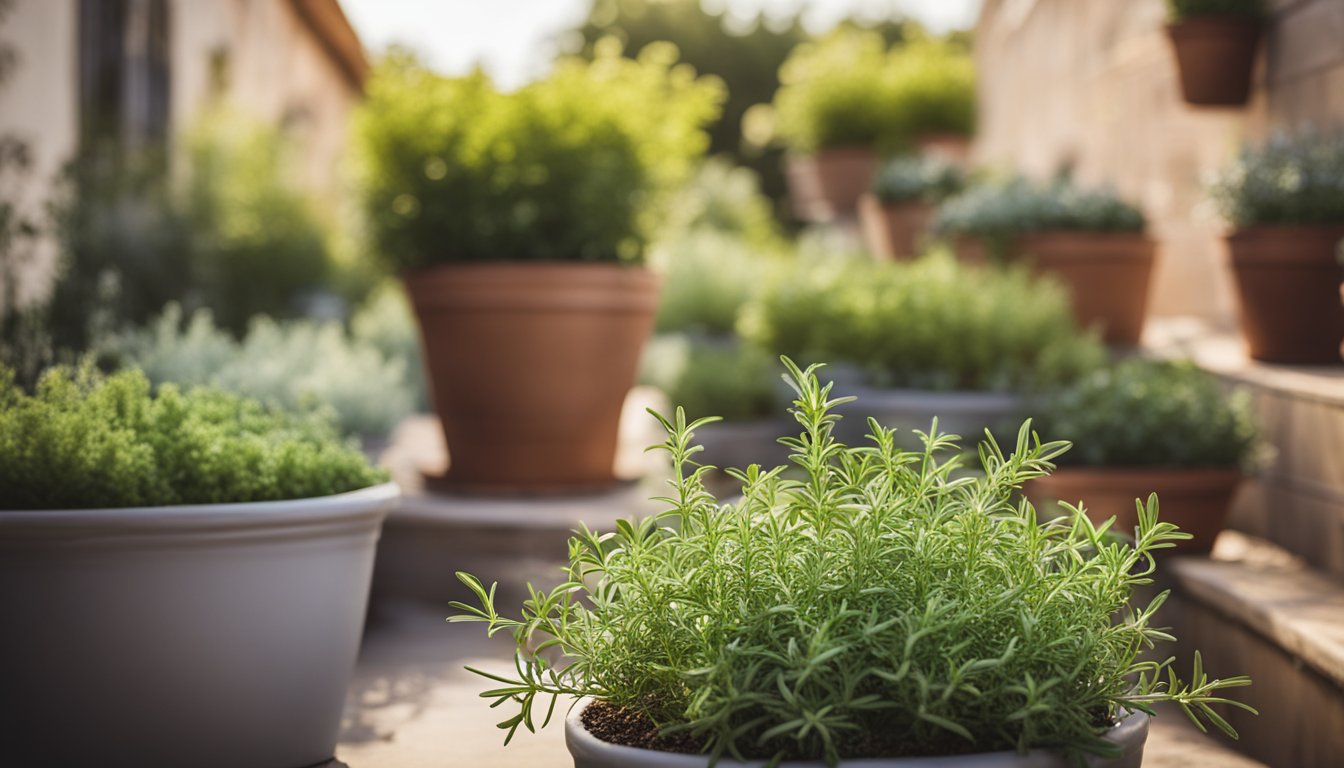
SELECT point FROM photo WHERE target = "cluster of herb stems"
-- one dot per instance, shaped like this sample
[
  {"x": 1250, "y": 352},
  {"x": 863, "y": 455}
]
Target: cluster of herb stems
[{"x": 876, "y": 591}]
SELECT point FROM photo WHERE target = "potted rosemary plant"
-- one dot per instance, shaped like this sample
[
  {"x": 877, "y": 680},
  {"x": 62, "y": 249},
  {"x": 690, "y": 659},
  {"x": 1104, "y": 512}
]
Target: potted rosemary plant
[
  {"x": 1215, "y": 42},
  {"x": 896, "y": 214},
  {"x": 1091, "y": 240},
  {"x": 1144, "y": 427},
  {"x": 874, "y": 607},
  {"x": 184, "y": 576},
  {"x": 927, "y": 338},
  {"x": 1285, "y": 201},
  {"x": 518, "y": 222}
]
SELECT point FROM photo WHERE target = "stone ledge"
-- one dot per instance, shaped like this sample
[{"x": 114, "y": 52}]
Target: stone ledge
[{"x": 1265, "y": 589}]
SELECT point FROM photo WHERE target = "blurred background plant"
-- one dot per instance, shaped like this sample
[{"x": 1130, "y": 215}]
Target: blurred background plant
[
  {"x": 713, "y": 377},
  {"x": 1292, "y": 179},
  {"x": 922, "y": 178},
  {"x": 363, "y": 375},
  {"x": 1141, "y": 413},
  {"x": 1184, "y": 9},
  {"x": 928, "y": 324}
]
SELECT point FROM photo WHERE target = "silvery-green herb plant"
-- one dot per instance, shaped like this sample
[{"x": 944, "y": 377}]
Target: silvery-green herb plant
[{"x": 877, "y": 592}]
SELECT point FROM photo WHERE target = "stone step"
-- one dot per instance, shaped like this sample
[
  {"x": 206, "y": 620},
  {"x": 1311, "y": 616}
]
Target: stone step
[{"x": 1255, "y": 609}]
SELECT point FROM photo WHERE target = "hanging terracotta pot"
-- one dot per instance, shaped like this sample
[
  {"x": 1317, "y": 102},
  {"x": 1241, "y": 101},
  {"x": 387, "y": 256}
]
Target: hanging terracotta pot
[
  {"x": 1288, "y": 283},
  {"x": 827, "y": 186},
  {"x": 894, "y": 230},
  {"x": 530, "y": 364},
  {"x": 1216, "y": 57},
  {"x": 1196, "y": 499}
]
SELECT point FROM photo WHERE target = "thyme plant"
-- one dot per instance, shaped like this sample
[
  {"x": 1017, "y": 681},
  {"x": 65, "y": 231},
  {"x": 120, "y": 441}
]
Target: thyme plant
[{"x": 879, "y": 593}]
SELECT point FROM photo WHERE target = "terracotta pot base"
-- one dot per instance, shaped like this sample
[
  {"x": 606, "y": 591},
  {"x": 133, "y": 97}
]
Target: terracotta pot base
[{"x": 1195, "y": 499}]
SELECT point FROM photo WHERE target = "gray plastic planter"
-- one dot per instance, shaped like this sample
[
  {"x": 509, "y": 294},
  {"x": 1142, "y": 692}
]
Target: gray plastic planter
[
  {"x": 959, "y": 413},
  {"x": 214, "y": 636},
  {"x": 736, "y": 444},
  {"x": 591, "y": 752}
]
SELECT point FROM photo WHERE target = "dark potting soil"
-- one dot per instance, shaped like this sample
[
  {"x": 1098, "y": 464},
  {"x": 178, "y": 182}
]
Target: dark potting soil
[{"x": 630, "y": 728}]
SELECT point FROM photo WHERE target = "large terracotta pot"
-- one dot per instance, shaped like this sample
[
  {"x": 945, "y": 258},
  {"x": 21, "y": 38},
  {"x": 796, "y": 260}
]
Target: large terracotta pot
[
  {"x": 1288, "y": 282},
  {"x": 591, "y": 752},
  {"x": 827, "y": 186},
  {"x": 530, "y": 365},
  {"x": 210, "y": 636},
  {"x": 1107, "y": 276},
  {"x": 1216, "y": 56},
  {"x": 1196, "y": 499},
  {"x": 894, "y": 231}
]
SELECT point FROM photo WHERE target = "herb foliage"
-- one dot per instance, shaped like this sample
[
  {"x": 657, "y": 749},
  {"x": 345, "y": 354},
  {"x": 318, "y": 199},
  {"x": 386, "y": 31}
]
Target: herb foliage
[
  {"x": 85, "y": 441},
  {"x": 880, "y": 592},
  {"x": 1291, "y": 180}
]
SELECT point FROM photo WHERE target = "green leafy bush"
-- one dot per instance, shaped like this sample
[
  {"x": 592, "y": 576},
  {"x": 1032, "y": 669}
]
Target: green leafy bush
[
  {"x": 571, "y": 167},
  {"x": 1140, "y": 413},
  {"x": 1290, "y": 180},
  {"x": 707, "y": 278},
  {"x": 86, "y": 441},
  {"x": 881, "y": 604},
  {"x": 720, "y": 377},
  {"x": 928, "y": 324},
  {"x": 933, "y": 89},
  {"x": 723, "y": 198},
  {"x": 921, "y": 178},
  {"x": 294, "y": 365},
  {"x": 257, "y": 244},
  {"x": 849, "y": 89},
  {"x": 1184, "y": 9},
  {"x": 1018, "y": 206}
]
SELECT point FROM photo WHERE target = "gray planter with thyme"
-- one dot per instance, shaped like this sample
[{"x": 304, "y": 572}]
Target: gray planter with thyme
[{"x": 591, "y": 752}]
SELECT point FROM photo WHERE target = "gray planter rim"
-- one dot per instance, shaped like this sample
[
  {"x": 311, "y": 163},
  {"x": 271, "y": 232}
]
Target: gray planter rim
[{"x": 587, "y": 749}]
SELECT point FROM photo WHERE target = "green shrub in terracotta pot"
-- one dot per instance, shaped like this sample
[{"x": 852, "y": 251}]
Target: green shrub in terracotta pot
[
  {"x": 184, "y": 575},
  {"x": 877, "y": 605},
  {"x": 897, "y": 213},
  {"x": 1285, "y": 202},
  {"x": 1144, "y": 427},
  {"x": 1091, "y": 240},
  {"x": 1215, "y": 43},
  {"x": 927, "y": 338},
  {"x": 518, "y": 222},
  {"x": 847, "y": 99}
]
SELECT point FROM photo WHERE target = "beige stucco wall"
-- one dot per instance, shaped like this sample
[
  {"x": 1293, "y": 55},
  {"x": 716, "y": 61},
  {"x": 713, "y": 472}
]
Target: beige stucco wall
[
  {"x": 278, "y": 71},
  {"x": 1092, "y": 84},
  {"x": 38, "y": 105}
]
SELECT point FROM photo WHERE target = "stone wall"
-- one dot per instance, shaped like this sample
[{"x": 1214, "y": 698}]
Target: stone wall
[{"x": 1092, "y": 85}]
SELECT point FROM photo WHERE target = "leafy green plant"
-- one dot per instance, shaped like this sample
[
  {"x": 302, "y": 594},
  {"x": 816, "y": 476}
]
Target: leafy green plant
[
  {"x": 1018, "y": 206},
  {"x": 921, "y": 178},
  {"x": 87, "y": 441},
  {"x": 1141, "y": 413},
  {"x": 928, "y": 324},
  {"x": 834, "y": 93},
  {"x": 881, "y": 604},
  {"x": 1290, "y": 180},
  {"x": 712, "y": 376},
  {"x": 572, "y": 167},
  {"x": 849, "y": 88},
  {"x": 933, "y": 89},
  {"x": 296, "y": 364},
  {"x": 707, "y": 278},
  {"x": 1185, "y": 9}
]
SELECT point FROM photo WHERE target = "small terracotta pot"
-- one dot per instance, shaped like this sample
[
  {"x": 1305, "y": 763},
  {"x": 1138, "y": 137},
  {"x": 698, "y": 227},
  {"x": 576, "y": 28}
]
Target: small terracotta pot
[
  {"x": 530, "y": 365},
  {"x": 1216, "y": 56},
  {"x": 1288, "y": 282},
  {"x": 894, "y": 231},
  {"x": 1107, "y": 274},
  {"x": 827, "y": 186},
  {"x": 948, "y": 146},
  {"x": 1196, "y": 499}
]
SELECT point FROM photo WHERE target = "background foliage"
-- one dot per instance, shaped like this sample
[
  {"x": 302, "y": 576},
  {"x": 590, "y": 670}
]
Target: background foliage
[{"x": 1290, "y": 180}]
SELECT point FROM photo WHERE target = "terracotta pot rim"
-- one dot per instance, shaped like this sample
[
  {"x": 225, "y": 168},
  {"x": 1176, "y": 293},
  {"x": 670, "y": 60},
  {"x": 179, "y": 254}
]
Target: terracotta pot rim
[
  {"x": 1210, "y": 21},
  {"x": 1257, "y": 231},
  {"x": 511, "y": 265},
  {"x": 911, "y": 203},
  {"x": 1090, "y": 234}
]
